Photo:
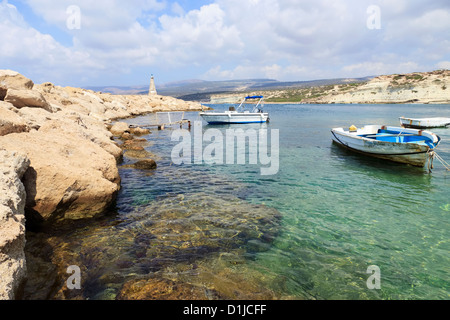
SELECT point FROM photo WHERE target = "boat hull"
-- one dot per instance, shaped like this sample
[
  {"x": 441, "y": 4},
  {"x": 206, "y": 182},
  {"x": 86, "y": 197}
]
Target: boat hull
[
  {"x": 230, "y": 117},
  {"x": 424, "y": 123},
  {"x": 414, "y": 154}
]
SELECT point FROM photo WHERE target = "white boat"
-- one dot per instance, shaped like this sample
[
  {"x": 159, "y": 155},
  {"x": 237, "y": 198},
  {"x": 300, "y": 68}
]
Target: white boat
[
  {"x": 410, "y": 146},
  {"x": 424, "y": 123},
  {"x": 238, "y": 115}
]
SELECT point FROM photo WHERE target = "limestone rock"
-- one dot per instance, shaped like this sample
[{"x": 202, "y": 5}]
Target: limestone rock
[
  {"x": 13, "y": 80},
  {"x": 10, "y": 122},
  {"x": 27, "y": 98},
  {"x": 35, "y": 117},
  {"x": 70, "y": 177},
  {"x": 119, "y": 128},
  {"x": 12, "y": 223},
  {"x": 139, "y": 131}
]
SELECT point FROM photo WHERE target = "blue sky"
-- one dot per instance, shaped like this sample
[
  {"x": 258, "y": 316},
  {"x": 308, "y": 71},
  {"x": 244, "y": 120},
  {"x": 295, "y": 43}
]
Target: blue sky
[{"x": 112, "y": 42}]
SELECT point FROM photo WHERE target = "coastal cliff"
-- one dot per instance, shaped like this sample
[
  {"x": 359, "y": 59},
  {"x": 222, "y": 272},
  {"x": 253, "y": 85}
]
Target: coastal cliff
[
  {"x": 418, "y": 87},
  {"x": 58, "y": 160},
  {"x": 427, "y": 88}
]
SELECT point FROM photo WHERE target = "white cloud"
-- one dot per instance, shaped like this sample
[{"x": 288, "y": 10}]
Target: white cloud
[
  {"x": 99, "y": 15},
  {"x": 36, "y": 52},
  {"x": 443, "y": 65},
  {"x": 283, "y": 39},
  {"x": 379, "y": 68},
  {"x": 177, "y": 9},
  {"x": 198, "y": 36}
]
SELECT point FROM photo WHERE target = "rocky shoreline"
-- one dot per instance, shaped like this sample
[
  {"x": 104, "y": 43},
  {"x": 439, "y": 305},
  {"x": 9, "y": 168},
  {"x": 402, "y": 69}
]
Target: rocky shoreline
[{"x": 58, "y": 159}]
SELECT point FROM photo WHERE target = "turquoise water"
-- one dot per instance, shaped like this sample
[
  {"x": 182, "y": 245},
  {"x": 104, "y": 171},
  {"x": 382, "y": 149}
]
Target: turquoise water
[
  {"x": 308, "y": 232},
  {"x": 341, "y": 212}
]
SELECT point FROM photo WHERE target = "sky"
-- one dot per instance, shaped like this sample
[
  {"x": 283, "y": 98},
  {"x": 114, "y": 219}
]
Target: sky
[{"x": 121, "y": 43}]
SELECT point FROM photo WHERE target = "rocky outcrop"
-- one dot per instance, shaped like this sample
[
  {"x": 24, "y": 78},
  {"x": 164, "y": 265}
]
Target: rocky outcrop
[
  {"x": 428, "y": 87},
  {"x": 69, "y": 176},
  {"x": 27, "y": 98},
  {"x": 63, "y": 131},
  {"x": 13, "y": 80},
  {"x": 418, "y": 87},
  {"x": 147, "y": 164},
  {"x": 71, "y": 158},
  {"x": 12, "y": 223},
  {"x": 119, "y": 128}
]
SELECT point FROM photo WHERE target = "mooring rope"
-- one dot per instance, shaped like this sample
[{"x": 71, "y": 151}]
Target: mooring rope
[{"x": 434, "y": 155}]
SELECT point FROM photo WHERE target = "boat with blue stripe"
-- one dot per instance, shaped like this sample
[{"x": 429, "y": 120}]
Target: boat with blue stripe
[
  {"x": 410, "y": 146},
  {"x": 240, "y": 114}
]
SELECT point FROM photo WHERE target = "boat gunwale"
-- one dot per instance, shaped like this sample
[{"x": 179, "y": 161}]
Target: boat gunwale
[
  {"x": 234, "y": 113},
  {"x": 410, "y": 146},
  {"x": 424, "y": 123},
  {"x": 419, "y": 148}
]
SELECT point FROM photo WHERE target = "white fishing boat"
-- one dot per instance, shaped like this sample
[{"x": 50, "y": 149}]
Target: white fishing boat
[
  {"x": 239, "y": 115},
  {"x": 423, "y": 123},
  {"x": 410, "y": 146}
]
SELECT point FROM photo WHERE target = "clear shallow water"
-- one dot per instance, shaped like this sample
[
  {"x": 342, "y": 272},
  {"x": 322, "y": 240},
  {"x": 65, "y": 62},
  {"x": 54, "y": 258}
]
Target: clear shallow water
[{"x": 308, "y": 232}]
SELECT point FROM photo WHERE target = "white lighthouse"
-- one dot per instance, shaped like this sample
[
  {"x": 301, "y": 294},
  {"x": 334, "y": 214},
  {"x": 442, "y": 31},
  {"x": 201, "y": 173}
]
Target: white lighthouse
[{"x": 152, "y": 90}]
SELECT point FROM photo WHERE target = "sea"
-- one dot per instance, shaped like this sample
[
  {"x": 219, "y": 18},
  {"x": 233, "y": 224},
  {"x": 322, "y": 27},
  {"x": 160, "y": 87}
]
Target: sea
[{"x": 325, "y": 223}]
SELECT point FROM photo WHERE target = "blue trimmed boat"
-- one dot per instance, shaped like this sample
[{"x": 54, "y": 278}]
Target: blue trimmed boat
[
  {"x": 239, "y": 115},
  {"x": 410, "y": 146}
]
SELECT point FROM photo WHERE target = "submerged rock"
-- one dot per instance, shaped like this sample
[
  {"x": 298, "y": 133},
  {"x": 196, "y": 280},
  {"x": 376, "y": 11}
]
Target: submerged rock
[
  {"x": 147, "y": 164},
  {"x": 119, "y": 128},
  {"x": 139, "y": 131},
  {"x": 200, "y": 223},
  {"x": 160, "y": 289},
  {"x": 195, "y": 240}
]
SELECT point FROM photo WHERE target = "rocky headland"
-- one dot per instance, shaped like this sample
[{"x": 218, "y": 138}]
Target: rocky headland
[
  {"x": 418, "y": 87},
  {"x": 58, "y": 158},
  {"x": 424, "y": 88}
]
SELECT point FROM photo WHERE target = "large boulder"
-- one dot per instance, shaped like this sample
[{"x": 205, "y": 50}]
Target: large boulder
[
  {"x": 12, "y": 223},
  {"x": 27, "y": 98},
  {"x": 13, "y": 80},
  {"x": 10, "y": 121},
  {"x": 119, "y": 128},
  {"x": 35, "y": 117},
  {"x": 70, "y": 177}
]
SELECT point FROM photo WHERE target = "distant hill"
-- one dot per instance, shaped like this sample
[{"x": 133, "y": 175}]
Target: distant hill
[
  {"x": 201, "y": 90},
  {"x": 416, "y": 87},
  {"x": 121, "y": 90}
]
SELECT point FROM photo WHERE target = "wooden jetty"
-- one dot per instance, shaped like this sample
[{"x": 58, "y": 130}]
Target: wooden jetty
[{"x": 169, "y": 121}]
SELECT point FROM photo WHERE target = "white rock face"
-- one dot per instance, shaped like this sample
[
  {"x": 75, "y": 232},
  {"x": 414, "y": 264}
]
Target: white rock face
[
  {"x": 429, "y": 87},
  {"x": 12, "y": 223}
]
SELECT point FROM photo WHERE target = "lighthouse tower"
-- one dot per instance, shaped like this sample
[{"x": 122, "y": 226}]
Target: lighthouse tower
[{"x": 152, "y": 90}]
